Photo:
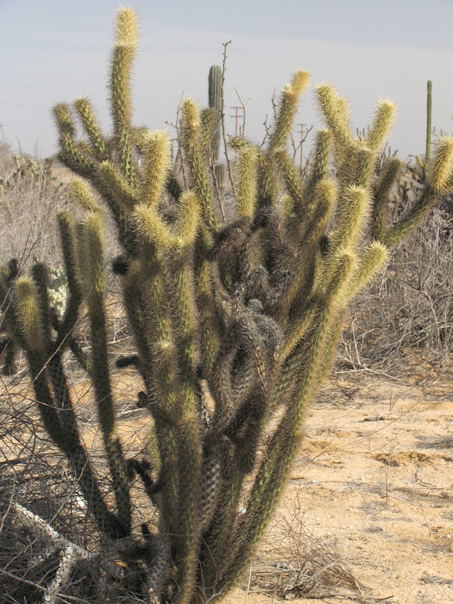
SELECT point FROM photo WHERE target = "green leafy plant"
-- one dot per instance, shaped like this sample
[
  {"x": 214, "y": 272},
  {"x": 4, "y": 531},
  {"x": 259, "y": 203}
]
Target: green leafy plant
[{"x": 235, "y": 325}]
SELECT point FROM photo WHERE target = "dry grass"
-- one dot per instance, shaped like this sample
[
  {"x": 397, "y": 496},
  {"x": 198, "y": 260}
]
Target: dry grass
[{"x": 294, "y": 563}]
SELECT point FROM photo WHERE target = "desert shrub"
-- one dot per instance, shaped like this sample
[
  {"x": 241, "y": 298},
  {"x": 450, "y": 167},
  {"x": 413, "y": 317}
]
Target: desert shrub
[
  {"x": 29, "y": 198},
  {"x": 411, "y": 303}
]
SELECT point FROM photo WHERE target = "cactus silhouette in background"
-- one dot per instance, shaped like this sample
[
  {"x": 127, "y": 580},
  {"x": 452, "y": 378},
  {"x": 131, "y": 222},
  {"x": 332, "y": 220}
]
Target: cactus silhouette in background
[
  {"x": 215, "y": 100},
  {"x": 215, "y": 95},
  {"x": 429, "y": 105},
  {"x": 235, "y": 325}
]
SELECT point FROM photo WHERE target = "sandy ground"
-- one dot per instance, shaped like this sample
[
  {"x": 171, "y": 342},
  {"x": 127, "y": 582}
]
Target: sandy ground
[{"x": 373, "y": 486}]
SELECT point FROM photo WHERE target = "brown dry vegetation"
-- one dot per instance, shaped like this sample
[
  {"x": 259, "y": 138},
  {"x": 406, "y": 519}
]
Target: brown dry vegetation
[{"x": 367, "y": 515}]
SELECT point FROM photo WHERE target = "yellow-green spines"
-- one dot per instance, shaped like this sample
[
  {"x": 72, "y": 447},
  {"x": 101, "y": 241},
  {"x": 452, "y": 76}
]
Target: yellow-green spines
[
  {"x": 324, "y": 197},
  {"x": 28, "y": 312},
  {"x": 126, "y": 27},
  {"x": 340, "y": 270},
  {"x": 188, "y": 222},
  {"x": 335, "y": 113},
  {"x": 246, "y": 187},
  {"x": 157, "y": 157},
  {"x": 152, "y": 227},
  {"x": 292, "y": 178},
  {"x": 352, "y": 210},
  {"x": 190, "y": 123},
  {"x": 123, "y": 56},
  {"x": 320, "y": 164},
  {"x": 442, "y": 170},
  {"x": 288, "y": 108},
  {"x": 83, "y": 195},
  {"x": 64, "y": 120},
  {"x": 373, "y": 258},
  {"x": 383, "y": 119},
  {"x": 94, "y": 251},
  {"x": 358, "y": 164},
  {"x": 86, "y": 115},
  {"x": 190, "y": 138},
  {"x": 120, "y": 87}
]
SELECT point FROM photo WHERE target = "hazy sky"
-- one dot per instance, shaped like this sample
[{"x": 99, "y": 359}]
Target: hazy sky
[{"x": 56, "y": 50}]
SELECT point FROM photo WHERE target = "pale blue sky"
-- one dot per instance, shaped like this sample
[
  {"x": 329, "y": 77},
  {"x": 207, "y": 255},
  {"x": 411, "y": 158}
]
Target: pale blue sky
[{"x": 56, "y": 50}]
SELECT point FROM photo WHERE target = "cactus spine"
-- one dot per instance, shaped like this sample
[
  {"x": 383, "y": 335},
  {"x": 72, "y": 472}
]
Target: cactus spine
[{"x": 234, "y": 325}]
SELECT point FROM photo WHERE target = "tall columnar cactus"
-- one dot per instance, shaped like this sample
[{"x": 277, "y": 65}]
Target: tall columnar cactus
[
  {"x": 235, "y": 325},
  {"x": 215, "y": 95},
  {"x": 429, "y": 105},
  {"x": 215, "y": 99}
]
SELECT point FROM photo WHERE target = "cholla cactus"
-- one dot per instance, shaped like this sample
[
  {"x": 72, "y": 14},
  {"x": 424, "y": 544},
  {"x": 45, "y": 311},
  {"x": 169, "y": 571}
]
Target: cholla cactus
[
  {"x": 58, "y": 290},
  {"x": 235, "y": 325}
]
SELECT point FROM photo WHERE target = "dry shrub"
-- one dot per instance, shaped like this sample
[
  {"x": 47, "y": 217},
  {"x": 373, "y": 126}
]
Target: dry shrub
[
  {"x": 30, "y": 198},
  {"x": 411, "y": 304},
  {"x": 294, "y": 563}
]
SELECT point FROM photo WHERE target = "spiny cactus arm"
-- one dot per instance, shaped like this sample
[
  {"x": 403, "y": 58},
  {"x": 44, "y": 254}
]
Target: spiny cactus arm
[
  {"x": 64, "y": 120},
  {"x": 156, "y": 152},
  {"x": 335, "y": 113},
  {"x": 160, "y": 374},
  {"x": 283, "y": 446},
  {"x": 100, "y": 367},
  {"x": 207, "y": 119},
  {"x": 120, "y": 199},
  {"x": 320, "y": 164},
  {"x": 279, "y": 136},
  {"x": 440, "y": 181},
  {"x": 29, "y": 319},
  {"x": 292, "y": 180},
  {"x": 75, "y": 156},
  {"x": 208, "y": 311},
  {"x": 323, "y": 201},
  {"x": 182, "y": 329},
  {"x": 123, "y": 56},
  {"x": 131, "y": 292},
  {"x": 298, "y": 291},
  {"x": 297, "y": 331},
  {"x": 372, "y": 259},
  {"x": 69, "y": 320},
  {"x": 190, "y": 141},
  {"x": 383, "y": 119},
  {"x": 287, "y": 109},
  {"x": 175, "y": 245},
  {"x": 359, "y": 167},
  {"x": 89, "y": 122},
  {"x": 41, "y": 279},
  {"x": 381, "y": 191},
  {"x": 218, "y": 541},
  {"x": 352, "y": 210},
  {"x": 173, "y": 187},
  {"x": 82, "y": 195},
  {"x": 25, "y": 315}
]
